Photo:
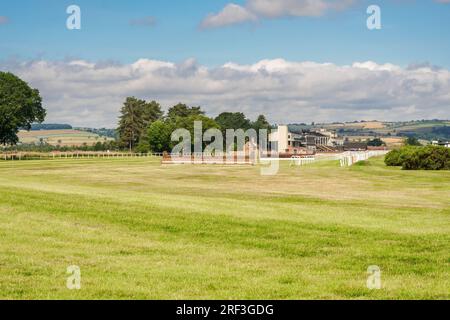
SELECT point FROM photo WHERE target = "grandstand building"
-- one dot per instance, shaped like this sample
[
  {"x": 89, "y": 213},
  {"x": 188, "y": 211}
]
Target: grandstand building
[{"x": 305, "y": 141}]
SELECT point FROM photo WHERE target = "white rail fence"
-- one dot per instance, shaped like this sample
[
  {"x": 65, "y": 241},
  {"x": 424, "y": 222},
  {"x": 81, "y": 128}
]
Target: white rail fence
[
  {"x": 350, "y": 158},
  {"x": 345, "y": 159},
  {"x": 301, "y": 161},
  {"x": 74, "y": 155}
]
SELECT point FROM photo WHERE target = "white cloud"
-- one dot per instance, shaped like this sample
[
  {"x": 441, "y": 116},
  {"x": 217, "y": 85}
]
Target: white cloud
[
  {"x": 90, "y": 94},
  {"x": 296, "y": 8},
  {"x": 257, "y": 9},
  {"x": 254, "y": 10},
  {"x": 231, "y": 14}
]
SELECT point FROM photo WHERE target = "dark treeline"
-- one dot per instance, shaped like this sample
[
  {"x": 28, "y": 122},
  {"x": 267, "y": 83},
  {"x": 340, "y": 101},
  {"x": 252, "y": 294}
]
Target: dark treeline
[
  {"x": 102, "y": 132},
  {"x": 377, "y": 142},
  {"x": 45, "y": 147},
  {"x": 143, "y": 126},
  {"x": 50, "y": 126},
  {"x": 434, "y": 133}
]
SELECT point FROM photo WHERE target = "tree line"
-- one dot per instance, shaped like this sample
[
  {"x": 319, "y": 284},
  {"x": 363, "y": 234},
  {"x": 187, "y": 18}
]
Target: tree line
[
  {"x": 45, "y": 147},
  {"x": 143, "y": 126}
]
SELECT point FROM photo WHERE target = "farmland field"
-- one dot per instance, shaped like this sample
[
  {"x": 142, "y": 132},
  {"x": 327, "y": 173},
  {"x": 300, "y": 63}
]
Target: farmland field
[
  {"x": 139, "y": 230},
  {"x": 358, "y": 125},
  {"x": 393, "y": 133},
  {"x": 61, "y": 137}
]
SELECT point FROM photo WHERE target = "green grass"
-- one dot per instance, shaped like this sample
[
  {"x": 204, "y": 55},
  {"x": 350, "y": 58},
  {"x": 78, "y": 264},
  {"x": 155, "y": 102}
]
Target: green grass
[{"x": 139, "y": 230}]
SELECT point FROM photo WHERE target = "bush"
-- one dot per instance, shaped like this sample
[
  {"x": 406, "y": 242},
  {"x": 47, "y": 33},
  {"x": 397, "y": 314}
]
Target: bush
[
  {"x": 420, "y": 158},
  {"x": 397, "y": 157},
  {"x": 428, "y": 158},
  {"x": 392, "y": 159},
  {"x": 412, "y": 141}
]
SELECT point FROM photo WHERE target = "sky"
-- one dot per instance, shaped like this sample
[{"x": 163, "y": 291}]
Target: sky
[{"x": 293, "y": 60}]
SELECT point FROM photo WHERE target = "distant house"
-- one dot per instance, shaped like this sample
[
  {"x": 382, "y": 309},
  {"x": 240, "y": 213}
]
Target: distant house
[
  {"x": 445, "y": 144},
  {"x": 441, "y": 143}
]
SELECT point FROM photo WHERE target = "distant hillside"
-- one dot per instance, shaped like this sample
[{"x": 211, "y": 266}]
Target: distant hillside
[
  {"x": 50, "y": 126},
  {"x": 103, "y": 132},
  {"x": 61, "y": 138},
  {"x": 427, "y": 130},
  {"x": 420, "y": 129}
]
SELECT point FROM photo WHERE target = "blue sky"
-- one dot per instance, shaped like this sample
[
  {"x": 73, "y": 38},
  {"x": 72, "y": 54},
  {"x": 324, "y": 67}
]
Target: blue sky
[
  {"x": 413, "y": 31},
  {"x": 292, "y": 60}
]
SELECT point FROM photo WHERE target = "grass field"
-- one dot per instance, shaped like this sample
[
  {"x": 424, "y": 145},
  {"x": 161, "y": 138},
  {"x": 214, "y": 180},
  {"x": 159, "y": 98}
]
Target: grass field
[{"x": 139, "y": 230}]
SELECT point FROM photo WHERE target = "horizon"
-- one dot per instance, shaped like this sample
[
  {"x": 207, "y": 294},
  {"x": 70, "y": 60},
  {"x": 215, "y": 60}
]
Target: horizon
[{"x": 274, "y": 124}]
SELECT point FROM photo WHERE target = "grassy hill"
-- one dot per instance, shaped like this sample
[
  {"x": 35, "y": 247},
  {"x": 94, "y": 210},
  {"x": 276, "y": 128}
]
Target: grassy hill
[
  {"x": 68, "y": 137},
  {"x": 393, "y": 133},
  {"x": 140, "y": 230}
]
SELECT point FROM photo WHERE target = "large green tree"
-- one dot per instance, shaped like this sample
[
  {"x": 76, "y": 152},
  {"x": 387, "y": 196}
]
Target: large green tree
[
  {"x": 188, "y": 123},
  {"x": 261, "y": 123},
  {"x": 182, "y": 111},
  {"x": 159, "y": 133},
  {"x": 136, "y": 116},
  {"x": 20, "y": 106},
  {"x": 230, "y": 120},
  {"x": 151, "y": 112},
  {"x": 158, "y": 137}
]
